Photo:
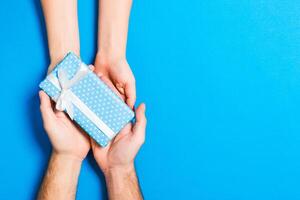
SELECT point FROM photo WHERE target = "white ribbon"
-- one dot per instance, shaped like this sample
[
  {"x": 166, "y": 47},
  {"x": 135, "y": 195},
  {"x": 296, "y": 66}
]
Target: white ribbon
[{"x": 66, "y": 99}]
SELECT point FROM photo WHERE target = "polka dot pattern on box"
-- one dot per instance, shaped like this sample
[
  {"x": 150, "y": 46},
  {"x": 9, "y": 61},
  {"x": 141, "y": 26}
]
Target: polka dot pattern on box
[{"x": 97, "y": 96}]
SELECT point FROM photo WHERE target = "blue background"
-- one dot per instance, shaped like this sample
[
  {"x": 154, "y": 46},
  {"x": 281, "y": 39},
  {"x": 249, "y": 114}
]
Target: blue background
[{"x": 221, "y": 81}]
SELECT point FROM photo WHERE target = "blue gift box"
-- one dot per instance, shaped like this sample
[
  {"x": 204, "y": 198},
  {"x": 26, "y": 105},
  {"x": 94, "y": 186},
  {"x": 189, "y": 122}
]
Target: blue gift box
[{"x": 88, "y": 100}]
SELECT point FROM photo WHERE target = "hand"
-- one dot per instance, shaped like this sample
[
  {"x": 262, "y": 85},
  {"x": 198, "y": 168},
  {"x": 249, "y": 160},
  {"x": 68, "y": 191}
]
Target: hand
[
  {"x": 66, "y": 138},
  {"x": 120, "y": 153},
  {"x": 119, "y": 73}
]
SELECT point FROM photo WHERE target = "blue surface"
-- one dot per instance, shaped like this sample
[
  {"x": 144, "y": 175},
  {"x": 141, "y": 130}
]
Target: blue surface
[{"x": 221, "y": 81}]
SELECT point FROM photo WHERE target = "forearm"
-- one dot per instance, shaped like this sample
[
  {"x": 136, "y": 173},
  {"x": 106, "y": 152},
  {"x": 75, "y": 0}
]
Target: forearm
[
  {"x": 123, "y": 184},
  {"x": 113, "y": 28},
  {"x": 62, "y": 28},
  {"x": 60, "y": 181}
]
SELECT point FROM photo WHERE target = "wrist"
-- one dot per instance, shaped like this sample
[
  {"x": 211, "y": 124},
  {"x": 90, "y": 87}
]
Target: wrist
[
  {"x": 122, "y": 183},
  {"x": 66, "y": 159},
  {"x": 119, "y": 171},
  {"x": 58, "y": 55},
  {"x": 109, "y": 58}
]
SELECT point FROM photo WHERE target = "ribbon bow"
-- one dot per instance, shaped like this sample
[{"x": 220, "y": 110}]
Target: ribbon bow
[{"x": 64, "y": 99}]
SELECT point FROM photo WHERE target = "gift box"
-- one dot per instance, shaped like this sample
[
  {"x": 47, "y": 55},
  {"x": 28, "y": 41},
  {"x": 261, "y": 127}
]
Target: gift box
[{"x": 86, "y": 99}]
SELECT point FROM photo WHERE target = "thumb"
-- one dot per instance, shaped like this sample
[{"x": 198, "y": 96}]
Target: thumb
[
  {"x": 130, "y": 93},
  {"x": 139, "y": 127},
  {"x": 46, "y": 107}
]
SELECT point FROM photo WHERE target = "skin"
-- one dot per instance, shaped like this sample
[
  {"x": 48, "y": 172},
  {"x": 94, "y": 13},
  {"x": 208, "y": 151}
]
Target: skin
[
  {"x": 110, "y": 61},
  {"x": 71, "y": 145},
  {"x": 117, "y": 159},
  {"x": 112, "y": 38},
  {"x": 62, "y": 28}
]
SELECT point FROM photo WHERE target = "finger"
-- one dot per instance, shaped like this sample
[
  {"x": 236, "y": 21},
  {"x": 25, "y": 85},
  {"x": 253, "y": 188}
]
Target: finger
[
  {"x": 108, "y": 82},
  {"x": 46, "y": 107},
  {"x": 60, "y": 114},
  {"x": 120, "y": 88},
  {"x": 125, "y": 131},
  {"x": 100, "y": 71},
  {"x": 95, "y": 146},
  {"x": 92, "y": 68},
  {"x": 140, "y": 124},
  {"x": 99, "y": 74},
  {"x": 130, "y": 92},
  {"x": 111, "y": 86}
]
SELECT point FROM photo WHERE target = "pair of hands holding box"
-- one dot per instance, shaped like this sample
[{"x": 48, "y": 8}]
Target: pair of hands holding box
[
  {"x": 71, "y": 144},
  {"x": 57, "y": 121}
]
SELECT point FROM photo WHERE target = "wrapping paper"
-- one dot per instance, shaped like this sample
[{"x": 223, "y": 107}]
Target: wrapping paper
[{"x": 95, "y": 101}]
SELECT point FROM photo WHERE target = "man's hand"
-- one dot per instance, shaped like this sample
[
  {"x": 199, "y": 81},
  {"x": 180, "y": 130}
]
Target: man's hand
[
  {"x": 119, "y": 73},
  {"x": 66, "y": 138},
  {"x": 117, "y": 159},
  {"x": 70, "y": 146},
  {"x": 120, "y": 153}
]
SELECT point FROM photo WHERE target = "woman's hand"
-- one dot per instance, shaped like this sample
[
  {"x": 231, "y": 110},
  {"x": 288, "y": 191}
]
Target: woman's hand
[{"x": 119, "y": 74}]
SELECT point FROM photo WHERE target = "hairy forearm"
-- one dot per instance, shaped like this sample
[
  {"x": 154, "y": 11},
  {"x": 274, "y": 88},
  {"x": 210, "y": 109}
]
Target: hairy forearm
[
  {"x": 60, "y": 181},
  {"x": 113, "y": 28},
  {"x": 123, "y": 184},
  {"x": 62, "y": 28}
]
